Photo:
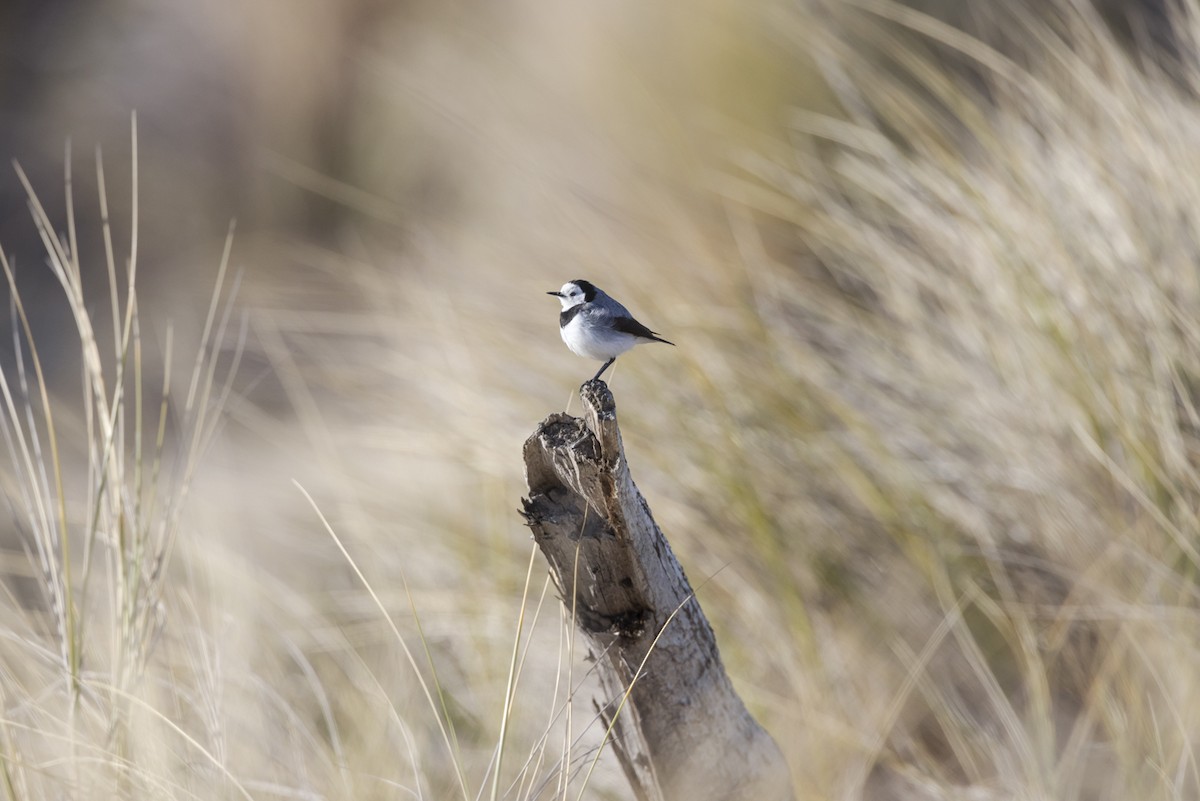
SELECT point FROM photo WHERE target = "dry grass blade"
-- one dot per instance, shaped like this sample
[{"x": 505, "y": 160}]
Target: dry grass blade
[{"x": 129, "y": 513}]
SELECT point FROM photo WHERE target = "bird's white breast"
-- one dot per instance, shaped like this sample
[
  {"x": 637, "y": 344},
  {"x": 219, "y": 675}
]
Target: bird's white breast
[{"x": 595, "y": 341}]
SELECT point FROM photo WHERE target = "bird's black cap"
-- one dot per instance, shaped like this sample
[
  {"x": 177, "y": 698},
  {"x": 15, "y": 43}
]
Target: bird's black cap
[{"x": 589, "y": 289}]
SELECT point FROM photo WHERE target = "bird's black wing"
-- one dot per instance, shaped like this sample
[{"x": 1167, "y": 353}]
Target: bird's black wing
[{"x": 628, "y": 325}]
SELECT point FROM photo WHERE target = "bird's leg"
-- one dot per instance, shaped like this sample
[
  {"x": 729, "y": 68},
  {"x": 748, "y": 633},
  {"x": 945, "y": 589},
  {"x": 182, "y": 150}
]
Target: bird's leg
[{"x": 605, "y": 367}]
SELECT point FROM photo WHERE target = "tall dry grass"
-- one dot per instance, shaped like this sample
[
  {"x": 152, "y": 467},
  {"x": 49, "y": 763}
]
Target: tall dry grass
[{"x": 927, "y": 444}]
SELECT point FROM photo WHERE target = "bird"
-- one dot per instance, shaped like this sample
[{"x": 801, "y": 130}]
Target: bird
[{"x": 597, "y": 327}]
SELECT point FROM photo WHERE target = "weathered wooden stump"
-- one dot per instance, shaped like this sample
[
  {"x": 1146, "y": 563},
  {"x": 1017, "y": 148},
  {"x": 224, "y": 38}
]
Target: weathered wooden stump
[{"x": 682, "y": 732}]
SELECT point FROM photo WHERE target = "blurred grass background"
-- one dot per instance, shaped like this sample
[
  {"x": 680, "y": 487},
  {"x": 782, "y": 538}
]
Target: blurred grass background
[{"x": 927, "y": 446}]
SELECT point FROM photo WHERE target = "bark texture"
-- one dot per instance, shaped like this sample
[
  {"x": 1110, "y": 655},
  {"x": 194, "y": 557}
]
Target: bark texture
[{"x": 683, "y": 733}]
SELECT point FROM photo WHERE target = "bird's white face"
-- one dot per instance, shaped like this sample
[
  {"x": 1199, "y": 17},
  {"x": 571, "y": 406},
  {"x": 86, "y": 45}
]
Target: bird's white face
[{"x": 570, "y": 295}]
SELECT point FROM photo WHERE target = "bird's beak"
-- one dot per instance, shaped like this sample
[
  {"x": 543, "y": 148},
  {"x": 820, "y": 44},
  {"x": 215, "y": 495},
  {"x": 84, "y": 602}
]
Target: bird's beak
[{"x": 555, "y": 294}]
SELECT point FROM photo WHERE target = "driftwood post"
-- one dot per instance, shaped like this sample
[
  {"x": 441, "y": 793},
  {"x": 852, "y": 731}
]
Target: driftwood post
[{"x": 683, "y": 733}]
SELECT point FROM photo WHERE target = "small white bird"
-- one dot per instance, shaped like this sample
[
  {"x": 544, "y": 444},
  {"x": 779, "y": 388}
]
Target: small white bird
[{"x": 597, "y": 327}]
